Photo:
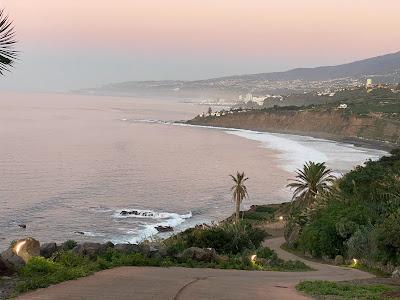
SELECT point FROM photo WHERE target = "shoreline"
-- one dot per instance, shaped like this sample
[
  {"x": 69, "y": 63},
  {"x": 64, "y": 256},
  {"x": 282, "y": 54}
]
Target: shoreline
[{"x": 357, "y": 142}]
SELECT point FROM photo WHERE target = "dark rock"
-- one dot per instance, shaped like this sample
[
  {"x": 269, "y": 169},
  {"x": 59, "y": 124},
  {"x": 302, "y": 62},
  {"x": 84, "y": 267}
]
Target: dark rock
[
  {"x": 22, "y": 226},
  {"x": 127, "y": 248},
  {"x": 11, "y": 260},
  {"x": 48, "y": 249},
  {"x": 5, "y": 269},
  {"x": 164, "y": 228},
  {"x": 90, "y": 249},
  {"x": 137, "y": 213},
  {"x": 199, "y": 254}
]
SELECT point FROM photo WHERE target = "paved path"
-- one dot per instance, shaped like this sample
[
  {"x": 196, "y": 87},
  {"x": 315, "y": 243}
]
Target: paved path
[{"x": 192, "y": 284}]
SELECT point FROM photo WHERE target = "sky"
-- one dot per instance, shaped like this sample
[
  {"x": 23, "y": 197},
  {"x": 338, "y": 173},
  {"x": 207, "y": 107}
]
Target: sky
[{"x": 71, "y": 44}]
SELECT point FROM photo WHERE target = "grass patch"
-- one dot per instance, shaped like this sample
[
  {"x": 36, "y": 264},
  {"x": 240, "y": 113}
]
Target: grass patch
[{"x": 340, "y": 290}]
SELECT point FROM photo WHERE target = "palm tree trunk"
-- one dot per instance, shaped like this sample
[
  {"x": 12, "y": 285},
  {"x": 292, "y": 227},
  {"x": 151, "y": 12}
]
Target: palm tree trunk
[{"x": 237, "y": 209}]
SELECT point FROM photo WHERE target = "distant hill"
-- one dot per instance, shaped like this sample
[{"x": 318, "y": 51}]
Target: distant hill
[
  {"x": 388, "y": 64},
  {"x": 382, "y": 69}
]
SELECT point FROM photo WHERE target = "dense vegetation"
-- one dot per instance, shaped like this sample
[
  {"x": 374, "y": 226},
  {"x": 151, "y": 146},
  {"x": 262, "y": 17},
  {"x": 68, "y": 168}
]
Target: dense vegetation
[
  {"x": 360, "y": 101},
  {"x": 359, "y": 219}
]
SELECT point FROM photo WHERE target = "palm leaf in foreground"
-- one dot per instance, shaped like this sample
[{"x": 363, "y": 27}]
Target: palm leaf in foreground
[{"x": 7, "y": 41}]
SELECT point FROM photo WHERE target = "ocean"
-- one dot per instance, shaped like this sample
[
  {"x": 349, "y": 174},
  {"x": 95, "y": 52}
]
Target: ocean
[{"x": 69, "y": 164}]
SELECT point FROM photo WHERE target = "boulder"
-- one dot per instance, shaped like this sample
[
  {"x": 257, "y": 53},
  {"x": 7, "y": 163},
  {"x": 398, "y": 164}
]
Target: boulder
[
  {"x": 5, "y": 269},
  {"x": 25, "y": 249},
  {"x": 48, "y": 249},
  {"x": 164, "y": 228},
  {"x": 90, "y": 249},
  {"x": 12, "y": 261},
  {"x": 127, "y": 248},
  {"x": 199, "y": 254},
  {"x": 396, "y": 273},
  {"x": 339, "y": 260}
]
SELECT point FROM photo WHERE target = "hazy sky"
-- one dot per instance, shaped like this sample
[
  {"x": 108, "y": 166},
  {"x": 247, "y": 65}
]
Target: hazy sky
[{"x": 70, "y": 44}]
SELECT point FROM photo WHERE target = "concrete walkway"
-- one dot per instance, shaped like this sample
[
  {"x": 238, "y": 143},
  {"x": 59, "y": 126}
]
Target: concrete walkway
[{"x": 192, "y": 284}]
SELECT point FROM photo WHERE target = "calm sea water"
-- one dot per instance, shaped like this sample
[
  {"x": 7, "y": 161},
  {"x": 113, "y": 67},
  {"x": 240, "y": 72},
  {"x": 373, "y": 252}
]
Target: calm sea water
[{"x": 72, "y": 163}]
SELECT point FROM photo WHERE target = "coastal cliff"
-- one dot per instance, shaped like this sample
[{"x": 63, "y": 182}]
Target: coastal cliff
[{"x": 329, "y": 124}]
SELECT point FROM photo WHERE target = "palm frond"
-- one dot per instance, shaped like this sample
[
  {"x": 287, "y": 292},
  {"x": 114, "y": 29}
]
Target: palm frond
[{"x": 7, "y": 41}]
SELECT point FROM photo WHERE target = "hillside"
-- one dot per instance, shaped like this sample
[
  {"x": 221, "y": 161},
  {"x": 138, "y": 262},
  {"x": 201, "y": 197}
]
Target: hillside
[
  {"x": 382, "y": 129},
  {"x": 382, "y": 69}
]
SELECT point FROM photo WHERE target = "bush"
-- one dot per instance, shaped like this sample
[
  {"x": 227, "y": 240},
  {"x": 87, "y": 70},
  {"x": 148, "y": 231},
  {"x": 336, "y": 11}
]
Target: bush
[
  {"x": 358, "y": 245},
  {"x": 225, "y": 239},
  {"x": 386, "y": 238},
  {"x": 70, "y": 244}
]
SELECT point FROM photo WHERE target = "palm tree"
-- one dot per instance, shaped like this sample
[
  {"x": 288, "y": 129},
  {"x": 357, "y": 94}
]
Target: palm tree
[
  {"x": 239, "y": 192},
  {"x": 7, "y": 41},
  {"x": 314, "y": 179}
]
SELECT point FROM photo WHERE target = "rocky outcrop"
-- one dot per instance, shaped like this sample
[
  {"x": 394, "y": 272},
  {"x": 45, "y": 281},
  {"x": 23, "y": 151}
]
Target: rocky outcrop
[
  {"x": 164, "y": 228},
  {"x": 137, "y": 213},
  {"x": 199, "y": 254},
  {"x": 27, "y": 248},
  {"x": 127, "y": 248},
  {"x": 90, "y": 249}
]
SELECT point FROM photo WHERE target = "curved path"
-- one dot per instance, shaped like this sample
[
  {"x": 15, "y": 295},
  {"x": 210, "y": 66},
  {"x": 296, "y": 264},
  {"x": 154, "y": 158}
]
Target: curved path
[{"x": 192, "y": 284}]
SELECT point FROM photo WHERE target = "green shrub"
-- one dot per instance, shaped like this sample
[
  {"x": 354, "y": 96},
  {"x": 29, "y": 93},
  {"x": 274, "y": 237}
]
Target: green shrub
[
  {"x": 225, "y": 239},
  {"x": 70, "y": 244},
  {"x": 386, "y": 238},
  {"x": 358, "y": 245}
]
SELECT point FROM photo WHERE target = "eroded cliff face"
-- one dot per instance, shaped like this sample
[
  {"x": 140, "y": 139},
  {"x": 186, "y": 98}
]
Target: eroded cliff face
[{"x": 327, "y": 124}]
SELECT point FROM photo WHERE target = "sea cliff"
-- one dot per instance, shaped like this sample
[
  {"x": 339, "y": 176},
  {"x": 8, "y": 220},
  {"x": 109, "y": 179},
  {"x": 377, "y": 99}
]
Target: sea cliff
[{"x": 367, "y": 130}]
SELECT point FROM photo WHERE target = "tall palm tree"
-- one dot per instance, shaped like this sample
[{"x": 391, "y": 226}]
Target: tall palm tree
[
  {"x": 239, "y": 191},
  {"x": 314, "y": 179},
  {"x": 7, "y": 41}
]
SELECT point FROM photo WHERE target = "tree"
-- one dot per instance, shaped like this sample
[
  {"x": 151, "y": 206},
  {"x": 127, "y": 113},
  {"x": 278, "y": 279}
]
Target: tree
[
  {"x": 239, "y": 192},
  {"x": 7, "y": 41},
  {"x": 314, "y": 179},
  {"x": 209, "y": 112}
]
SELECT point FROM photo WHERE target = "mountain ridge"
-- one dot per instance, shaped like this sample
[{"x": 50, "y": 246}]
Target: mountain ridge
[{"x": 383, "y": 69}]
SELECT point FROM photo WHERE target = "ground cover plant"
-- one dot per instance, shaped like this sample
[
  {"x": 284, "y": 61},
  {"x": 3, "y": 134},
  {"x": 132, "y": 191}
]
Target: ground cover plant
[{"x": 340, "y": 290}]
